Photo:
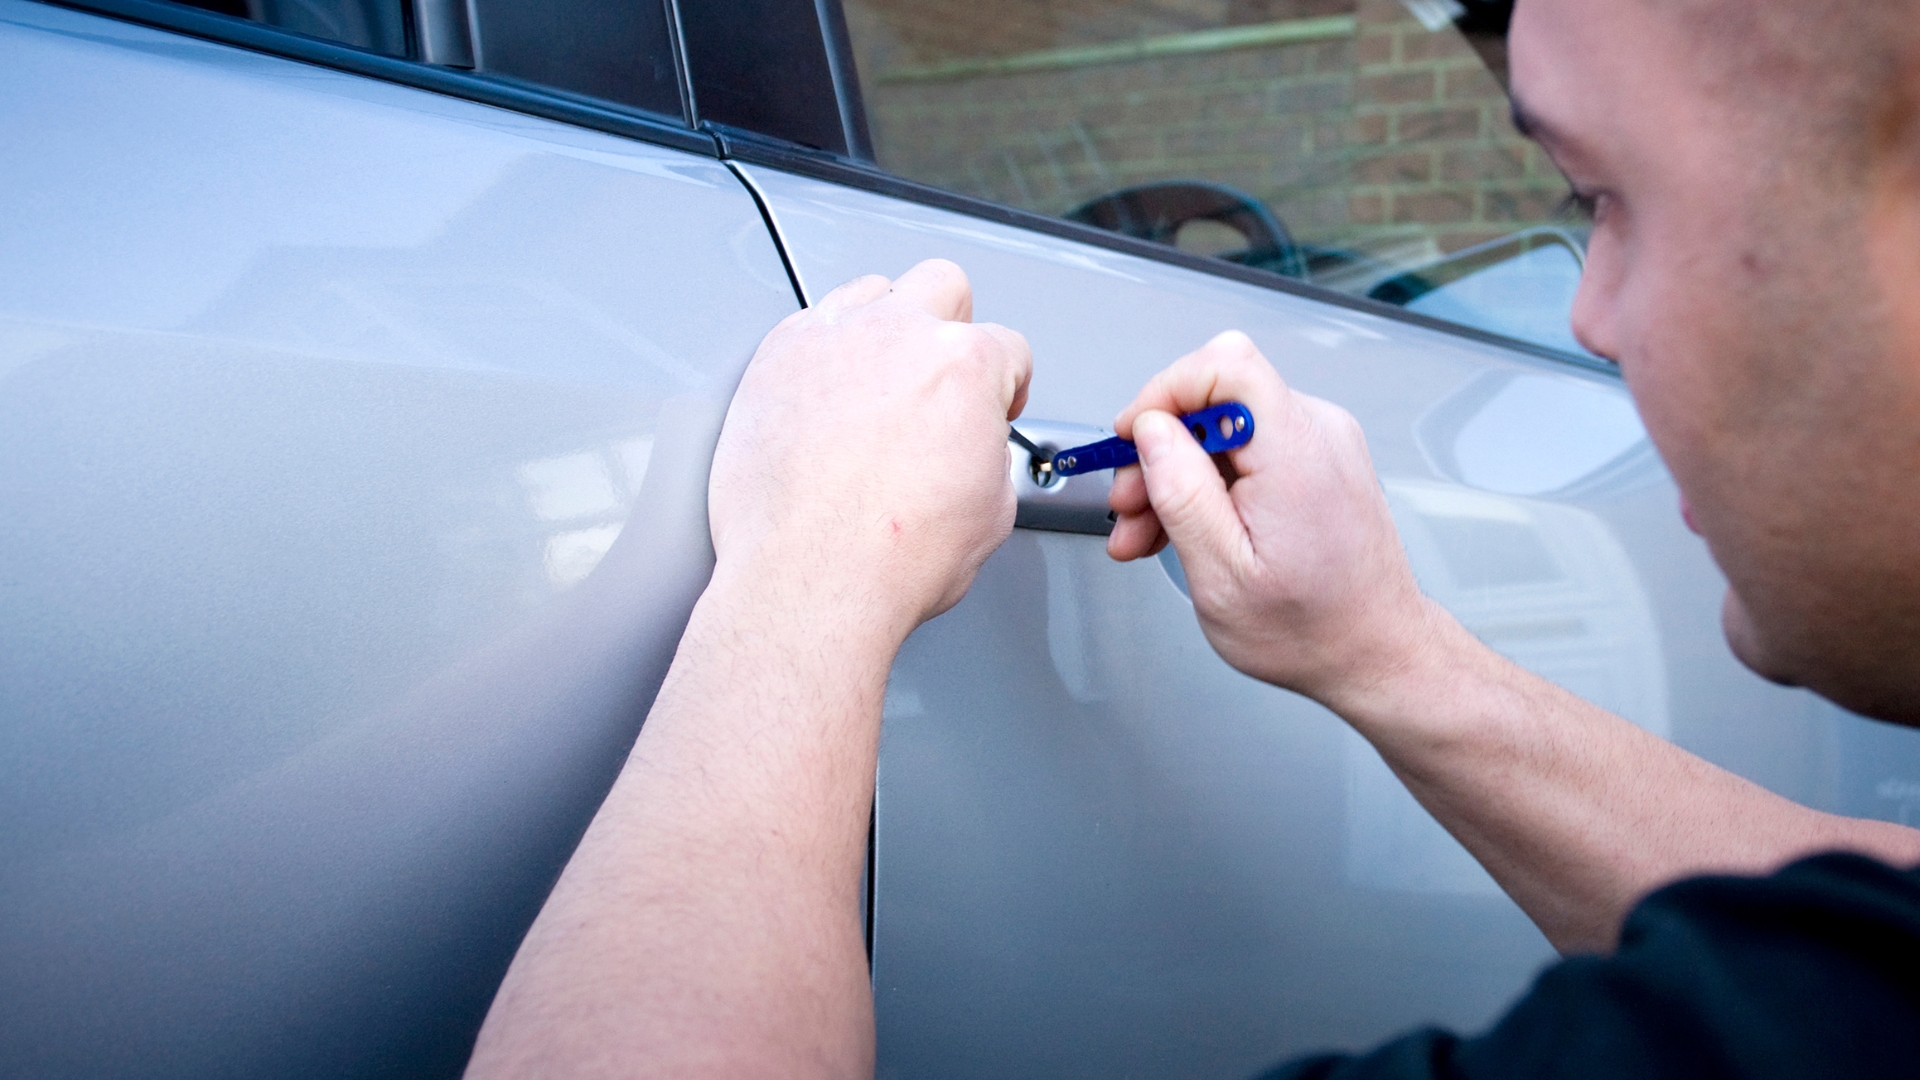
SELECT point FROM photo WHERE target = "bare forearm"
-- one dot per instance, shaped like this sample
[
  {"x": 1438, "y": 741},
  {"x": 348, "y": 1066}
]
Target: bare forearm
[
  {"x": 708, "y": 924},
  {"x": 1576, "y": 812}
]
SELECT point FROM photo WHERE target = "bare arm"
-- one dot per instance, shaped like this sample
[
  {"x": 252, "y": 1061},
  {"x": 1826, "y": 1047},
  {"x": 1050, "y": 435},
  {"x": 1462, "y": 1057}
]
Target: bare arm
[
  {"x": 1299, "y": 579},
  {"x": 708, "y": 923}
]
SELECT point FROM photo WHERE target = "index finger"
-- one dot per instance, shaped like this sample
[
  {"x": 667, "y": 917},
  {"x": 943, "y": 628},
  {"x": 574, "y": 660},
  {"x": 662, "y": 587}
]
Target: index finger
[
  {"x": 1227, "y": 368},
  {"x": 937, "y": 287},
  {"x": 1013, "y": 345}
]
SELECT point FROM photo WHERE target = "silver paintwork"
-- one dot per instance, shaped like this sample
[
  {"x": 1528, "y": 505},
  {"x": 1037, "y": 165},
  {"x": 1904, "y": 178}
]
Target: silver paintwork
[
  {"x": 1102, "y": 852},
  {"x": 325, "y": 614},
  {"x": 325, "y": 617}
]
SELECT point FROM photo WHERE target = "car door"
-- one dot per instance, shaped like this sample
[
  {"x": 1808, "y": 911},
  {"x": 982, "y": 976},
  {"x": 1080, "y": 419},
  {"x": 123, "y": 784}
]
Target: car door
[
  {"x": 353, "y": 448},
  {"x": 1099, "y": 851}
]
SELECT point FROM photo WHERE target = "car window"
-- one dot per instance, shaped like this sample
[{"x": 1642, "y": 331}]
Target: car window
[
  {"x": 378, "y": 25},
  {"x": 1363, "y": 145},
  {"x": 618, "y": 51}
]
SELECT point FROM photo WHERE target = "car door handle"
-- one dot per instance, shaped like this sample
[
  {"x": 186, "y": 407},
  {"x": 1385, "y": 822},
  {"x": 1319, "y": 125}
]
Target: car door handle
[{"x": 1075, "y": 504}]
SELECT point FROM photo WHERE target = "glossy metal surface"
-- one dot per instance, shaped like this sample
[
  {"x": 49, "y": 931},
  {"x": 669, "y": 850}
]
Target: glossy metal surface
[
  {"x": 1101, "y": 852},
  {"x": 1059, "y": 503},
  {"x": 326, "y": 616}
]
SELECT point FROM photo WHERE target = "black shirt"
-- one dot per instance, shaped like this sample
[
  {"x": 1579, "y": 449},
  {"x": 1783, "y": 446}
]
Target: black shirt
[{"x": 1812, "y": 972}]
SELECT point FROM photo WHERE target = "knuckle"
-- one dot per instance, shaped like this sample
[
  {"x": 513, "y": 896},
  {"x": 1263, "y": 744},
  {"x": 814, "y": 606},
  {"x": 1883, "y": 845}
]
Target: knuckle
[
  {"x": 861, "y": 284},
  {"x": 1345, "y": 424},
  {"x": 971, "y": 346},
  {"x": 948, "y": 272},
  {"x": 1013, "y": 340},
  {"x": 1235, "y": 347}
]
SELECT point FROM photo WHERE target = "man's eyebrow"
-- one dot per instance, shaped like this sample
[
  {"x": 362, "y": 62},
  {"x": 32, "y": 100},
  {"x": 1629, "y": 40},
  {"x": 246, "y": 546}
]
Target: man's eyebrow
[
  {"x": 1529, "y": 124},
  {"x": 1523, "y": 121}
]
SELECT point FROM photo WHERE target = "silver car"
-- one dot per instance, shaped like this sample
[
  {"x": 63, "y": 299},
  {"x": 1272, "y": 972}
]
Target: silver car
[{"x": 360, "y": 365}]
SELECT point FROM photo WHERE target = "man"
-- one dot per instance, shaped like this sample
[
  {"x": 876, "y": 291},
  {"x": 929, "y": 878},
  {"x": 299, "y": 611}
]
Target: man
[{"x": 1753, "y": 167}]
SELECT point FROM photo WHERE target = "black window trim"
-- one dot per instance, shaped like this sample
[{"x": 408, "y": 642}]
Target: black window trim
[
  {"x": 756, "y": 149},
  {"x": 484, "y": 89},
  {"x": 726, "y": 143}
]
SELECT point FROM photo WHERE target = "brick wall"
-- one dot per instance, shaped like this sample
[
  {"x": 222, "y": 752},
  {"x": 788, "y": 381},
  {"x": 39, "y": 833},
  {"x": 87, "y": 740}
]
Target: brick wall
[
  {"x": 1431, "y": 149},
  {"x": 1391, "y": 139}
]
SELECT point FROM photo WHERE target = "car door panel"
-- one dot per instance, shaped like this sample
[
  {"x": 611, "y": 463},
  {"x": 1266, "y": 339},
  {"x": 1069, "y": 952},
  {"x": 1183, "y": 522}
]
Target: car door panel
[
  {"x": 326, "y": 614},
  {"x": 1100, "y": 851}
]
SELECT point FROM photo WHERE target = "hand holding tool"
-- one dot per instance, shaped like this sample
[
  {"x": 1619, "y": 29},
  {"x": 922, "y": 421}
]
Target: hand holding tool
[{"x": 1217, "y": 428}]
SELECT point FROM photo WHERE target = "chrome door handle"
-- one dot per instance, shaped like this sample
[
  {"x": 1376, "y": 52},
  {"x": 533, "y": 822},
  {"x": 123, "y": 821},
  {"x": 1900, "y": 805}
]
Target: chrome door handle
[{"x": 1075, "y": 504}]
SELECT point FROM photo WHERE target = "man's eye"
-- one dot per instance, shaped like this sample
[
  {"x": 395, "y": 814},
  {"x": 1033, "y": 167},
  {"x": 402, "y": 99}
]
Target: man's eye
[{"x": 1580, "y": 204}]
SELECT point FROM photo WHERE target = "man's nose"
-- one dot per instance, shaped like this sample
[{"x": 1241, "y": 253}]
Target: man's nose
[{"x": 1595, "y": 315}]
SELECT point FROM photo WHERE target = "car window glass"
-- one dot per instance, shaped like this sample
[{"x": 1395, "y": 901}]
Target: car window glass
[
  {"x": 379, "y": 25},
  {"x": 1363, "y": 145},
  {"x": 614, "y": 49},
  {"x": 620, "y": 51}
]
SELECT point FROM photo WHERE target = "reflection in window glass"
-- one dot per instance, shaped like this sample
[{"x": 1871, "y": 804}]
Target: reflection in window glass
[
  {"x": 379, "y": 25},
  {"x": 1359, "y": 144},
  {"x": 618, "y": 51}
]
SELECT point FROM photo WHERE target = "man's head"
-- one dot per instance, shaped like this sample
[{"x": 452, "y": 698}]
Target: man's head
[{"x": 1755, "y": 269}]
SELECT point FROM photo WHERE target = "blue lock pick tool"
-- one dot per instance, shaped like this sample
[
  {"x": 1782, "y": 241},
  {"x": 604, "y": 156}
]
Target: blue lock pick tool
[{"x": 1217, "y": 428}]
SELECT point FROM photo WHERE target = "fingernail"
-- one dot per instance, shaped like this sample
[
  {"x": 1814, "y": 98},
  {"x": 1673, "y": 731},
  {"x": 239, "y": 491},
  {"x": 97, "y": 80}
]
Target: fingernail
[{"x": 1150, "y": 433}]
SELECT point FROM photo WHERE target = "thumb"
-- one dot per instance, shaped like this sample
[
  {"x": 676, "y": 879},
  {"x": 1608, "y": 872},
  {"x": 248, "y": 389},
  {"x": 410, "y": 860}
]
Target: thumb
[{"x": 1186, "y": 490}]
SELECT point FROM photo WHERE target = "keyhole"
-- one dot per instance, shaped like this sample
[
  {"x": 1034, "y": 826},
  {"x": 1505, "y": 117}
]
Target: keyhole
[{"x": 1041, "y": 470}]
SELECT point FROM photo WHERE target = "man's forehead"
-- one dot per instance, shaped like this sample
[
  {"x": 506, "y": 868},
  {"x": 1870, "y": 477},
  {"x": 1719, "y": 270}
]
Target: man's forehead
[
  {"x": 1541, "y": 53},
  {"x": 1575, "y": 62}
]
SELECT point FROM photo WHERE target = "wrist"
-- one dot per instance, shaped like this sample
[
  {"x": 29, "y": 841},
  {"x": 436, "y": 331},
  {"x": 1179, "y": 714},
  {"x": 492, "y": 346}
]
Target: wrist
[
  {"x": 777, "y": 590},
  {"x": 1409, "y": 680}
]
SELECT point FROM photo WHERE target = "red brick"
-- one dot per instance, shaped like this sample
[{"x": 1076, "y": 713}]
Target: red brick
[
  {"x": 1331, "y": 57},
  {"x": 1437, "y": 125},
  {"x": 1316, "y": 216},
  {"x": 1379, "y": 12},
  {"x": 1244, "y": 177},
  {"x": 1417, "y": 45},
  {"x": 1483, "y": 163},
  {"x": 1471, "y": 84},
  {"x": 1129, "y": 146},
  {"x": 1314, "y": 96},
  {"x": 1367, "y": 129},
  {"x": 1186, "y": 143},
  {"x": 1375, "y": 48},
  {"x": 1367, "y": 209},
  {"x": 1396, "y": 89},
  {"x": 1403, "y": 168},
  {"x": 1434, "y": 207},
  {"x": 1234, "y": 105},
  {"x": 1102, "y": 81},
  {"x": 1110, "y": 113},
  {"x": 1280, "y": 62}
]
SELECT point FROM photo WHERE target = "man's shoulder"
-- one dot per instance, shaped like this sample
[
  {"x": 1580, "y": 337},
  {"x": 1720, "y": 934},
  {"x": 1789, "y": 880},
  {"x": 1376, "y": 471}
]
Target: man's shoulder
[
  {"x": 1811, "y": 971},
  {"x": 1831, "y": 899}
]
